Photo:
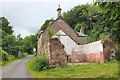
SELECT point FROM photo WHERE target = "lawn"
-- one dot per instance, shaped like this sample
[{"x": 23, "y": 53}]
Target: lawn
[{"x": 97, "y": 70}]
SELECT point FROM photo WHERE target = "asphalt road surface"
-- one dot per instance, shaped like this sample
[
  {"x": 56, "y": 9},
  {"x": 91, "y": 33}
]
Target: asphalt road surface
[{"x": 16, "y": 69}]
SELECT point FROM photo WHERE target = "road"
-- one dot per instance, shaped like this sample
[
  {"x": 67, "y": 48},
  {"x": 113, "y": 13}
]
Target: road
[{"x": 16, "y": 69}]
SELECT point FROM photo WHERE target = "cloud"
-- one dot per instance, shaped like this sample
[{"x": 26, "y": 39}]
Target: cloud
[
  {"x": 82, "y": 1},
  {"x": 26, "y": 17}
]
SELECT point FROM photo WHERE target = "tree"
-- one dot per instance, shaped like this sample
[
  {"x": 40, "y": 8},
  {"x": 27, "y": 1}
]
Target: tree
[
  {"x": 78, "y": 26},
  {"x": 29, "y": 43},
  {"x": 111, "y": 16},
  {"x": 8, "y": 39},
  {"x": 4, "y": 24},
  {"x": 0, "y": 32},
  {"x": 110, "y": 22},
  {"x": 82, "y": 14},
  {"x": 102, "y": 21},
  {"x": 46, "y": 24},
  {"x": 12, "y": 44}
]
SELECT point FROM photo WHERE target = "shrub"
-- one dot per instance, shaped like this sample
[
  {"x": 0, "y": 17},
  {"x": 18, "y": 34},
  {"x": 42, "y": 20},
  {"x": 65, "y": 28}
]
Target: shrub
[
  {"x": 25, "y": 54},
  {"x": 4, "y": 56},
  {"x": 0, "y": 54},
  {"x": 40, "y": 63},
  {"x": 11, "y": 57},
  {"x": 118, "y": 52}
]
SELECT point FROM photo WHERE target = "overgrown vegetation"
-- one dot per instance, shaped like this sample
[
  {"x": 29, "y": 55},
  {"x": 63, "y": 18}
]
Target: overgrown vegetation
[
  {"x": 107, "y": 70},
  {"x": 11, "y": 45},
  {"x": 6, "y": 58},
  {"x": 100, "y": 21},
  {"x": 39, "y": 63},
  {"x": 4, "y": 55},
  {"x": 46, "y": 24}
]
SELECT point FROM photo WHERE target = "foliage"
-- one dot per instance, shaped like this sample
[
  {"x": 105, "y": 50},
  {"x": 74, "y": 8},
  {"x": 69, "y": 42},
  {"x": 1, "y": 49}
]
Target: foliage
[
  {"x": 118, "y": 52},
  {"x": 100, "y": 21},
  {"x": 49, "y": 32},
  {"x": 46, "y": 24},
  {"x": 7, "y": 34},
  {"x": 77, "y": 27},
  {"x": 4, "y": 56},
  {"x": 29, "y": 43},
  {"x": 39, "y": 63},
  {"x": 0, "y": 37},
  {"x": 9, "y": 40},
  {"x": 25, "y": 54},
  {"x": 106, "y": 70},
  {"x": 110, "y": 22},
  {"x": 82, "y": 14},
  {"x": 11, "y": 43},
  {"x": 4, "y": 24},
  {"x": 8, "y": 43}
]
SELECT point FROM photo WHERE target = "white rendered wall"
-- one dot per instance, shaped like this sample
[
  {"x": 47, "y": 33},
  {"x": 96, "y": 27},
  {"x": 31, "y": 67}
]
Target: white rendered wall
[
  {"x": 93, "y": 47},
  {"x": 70, "y": 45},
  {"x": 66, "y": 41}
]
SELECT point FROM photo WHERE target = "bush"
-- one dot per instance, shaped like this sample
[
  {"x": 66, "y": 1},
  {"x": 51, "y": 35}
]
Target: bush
[
  {"x": 118, "y": 52},
  {"x": 4, "y": 56},
  {"x": 11, "y": 57},
  {"x": 25, "y": 54},
  {"x": 39, "y": 63}
]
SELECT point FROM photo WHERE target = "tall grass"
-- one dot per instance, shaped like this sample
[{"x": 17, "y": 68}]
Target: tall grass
[
  {"x": 97, "y": 70},
  {"x": 39, "y": 63}
]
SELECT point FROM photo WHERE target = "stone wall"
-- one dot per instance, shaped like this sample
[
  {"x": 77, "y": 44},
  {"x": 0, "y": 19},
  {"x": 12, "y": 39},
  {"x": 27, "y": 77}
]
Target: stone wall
[{"x": 55, "y": 51}]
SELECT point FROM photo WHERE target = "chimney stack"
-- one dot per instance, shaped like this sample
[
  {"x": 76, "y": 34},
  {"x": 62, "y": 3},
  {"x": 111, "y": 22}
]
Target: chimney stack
[
  {"x": 82, "y": 30},
  {"x": 59, "y": 11}
]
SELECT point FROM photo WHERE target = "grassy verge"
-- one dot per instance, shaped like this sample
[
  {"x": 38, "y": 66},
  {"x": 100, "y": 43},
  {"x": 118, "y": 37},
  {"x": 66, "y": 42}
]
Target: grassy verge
[
  {"x": 107, "y": 70},
  {"x": 11, "y": 60}
]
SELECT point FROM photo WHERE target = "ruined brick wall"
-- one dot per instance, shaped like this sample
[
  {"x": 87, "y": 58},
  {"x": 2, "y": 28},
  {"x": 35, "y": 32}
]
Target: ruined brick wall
[
  {"x": 55, "y": 51},
  {"x": 40, "y": 45},
  {"x": 99, "y": 51},
  {"x": 108, "y": 49},
  {"x": 92, "y": 52}
]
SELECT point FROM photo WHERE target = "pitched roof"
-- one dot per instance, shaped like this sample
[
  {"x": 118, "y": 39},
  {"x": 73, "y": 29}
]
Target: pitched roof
[{"x": 58, "y": 24}]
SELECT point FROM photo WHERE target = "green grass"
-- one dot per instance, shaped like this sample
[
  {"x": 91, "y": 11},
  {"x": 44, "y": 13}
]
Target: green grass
[
  {"x": 107, "y": 70},
  {"x": 10, "y": 61}
]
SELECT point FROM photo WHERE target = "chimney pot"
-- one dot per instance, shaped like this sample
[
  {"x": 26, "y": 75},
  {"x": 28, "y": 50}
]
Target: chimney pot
[{"x": 82, "y": 30}]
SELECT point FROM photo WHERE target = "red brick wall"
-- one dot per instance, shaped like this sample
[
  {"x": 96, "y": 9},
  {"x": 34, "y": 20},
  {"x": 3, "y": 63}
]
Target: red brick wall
[
  {"x": 55, "y": 51},
  {"x": 89, "y": 57},
  {"x": 81, "y": 57}
]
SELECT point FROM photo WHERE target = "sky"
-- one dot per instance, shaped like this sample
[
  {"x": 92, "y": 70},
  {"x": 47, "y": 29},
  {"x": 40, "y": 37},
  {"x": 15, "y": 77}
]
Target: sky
[{"x": 27, "y": 16}]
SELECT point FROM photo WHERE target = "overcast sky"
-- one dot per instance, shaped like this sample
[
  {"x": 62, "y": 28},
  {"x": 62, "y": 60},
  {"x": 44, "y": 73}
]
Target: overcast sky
[{"x": 27, "y": 16}]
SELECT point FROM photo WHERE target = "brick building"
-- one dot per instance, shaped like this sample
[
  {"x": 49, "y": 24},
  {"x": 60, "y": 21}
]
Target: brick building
[{"x": 73, "y": 43}]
